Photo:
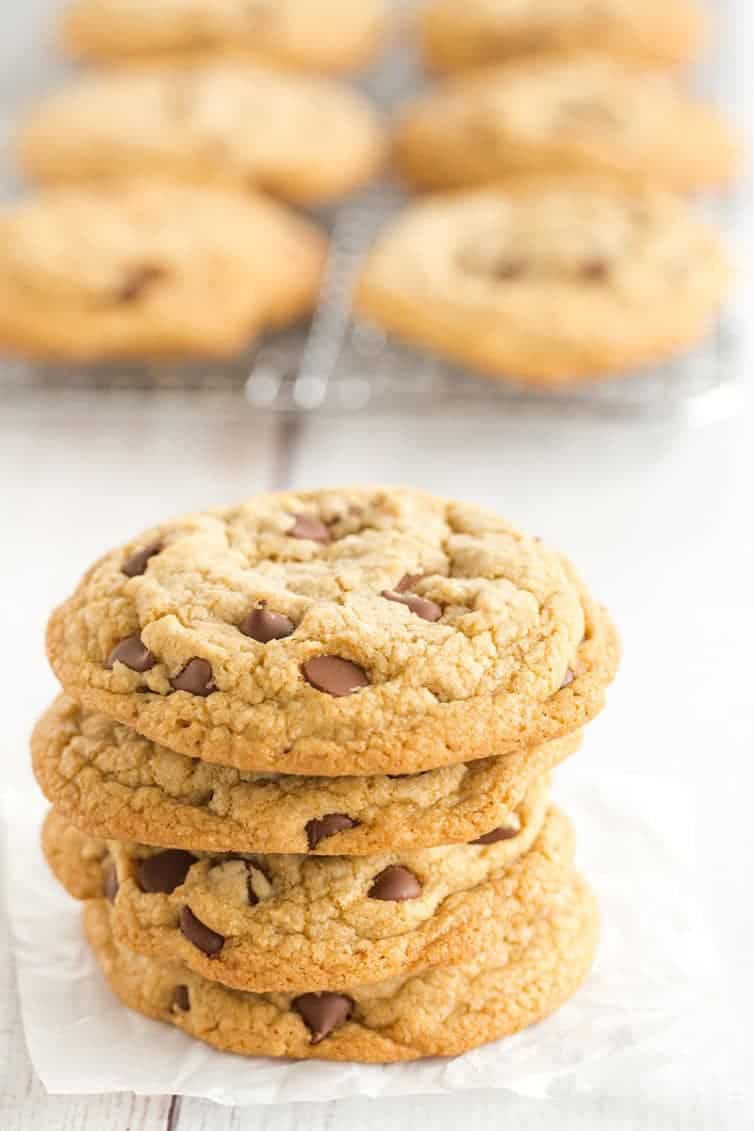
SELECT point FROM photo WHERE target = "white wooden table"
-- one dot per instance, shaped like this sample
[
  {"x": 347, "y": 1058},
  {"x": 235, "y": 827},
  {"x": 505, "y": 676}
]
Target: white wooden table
[{"x": 660, "y": 522}]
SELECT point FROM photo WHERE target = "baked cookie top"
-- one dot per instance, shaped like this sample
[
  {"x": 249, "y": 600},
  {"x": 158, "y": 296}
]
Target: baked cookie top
[
  {"x": 458, "y": 34},
  {"x": 547, "y": 282},
  {"x": 145, "y": 268},
  {"x": 312, "y": 35},
  {"x": 305, "y": 139},
  {"x": 441, "y": 1012},
  {"x": 296, "y": 923},
  {"x": 565, "y": 115},
  {"x": 113, "y": 783},
  {"x": 348, "y": 631}
]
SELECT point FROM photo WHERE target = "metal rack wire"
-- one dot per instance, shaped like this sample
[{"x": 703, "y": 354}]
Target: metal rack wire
[{"x": 340, "y": 365}]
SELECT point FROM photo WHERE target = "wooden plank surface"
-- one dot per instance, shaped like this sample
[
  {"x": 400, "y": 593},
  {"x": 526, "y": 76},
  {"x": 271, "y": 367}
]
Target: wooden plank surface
[
  {"x": 627, "y": 505},
  {"x": 661, "y": 525}
]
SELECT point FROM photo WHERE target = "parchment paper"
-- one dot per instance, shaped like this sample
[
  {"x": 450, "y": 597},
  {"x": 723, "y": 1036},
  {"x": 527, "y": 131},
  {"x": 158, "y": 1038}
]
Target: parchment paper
[{"x": 636, "y": 838}]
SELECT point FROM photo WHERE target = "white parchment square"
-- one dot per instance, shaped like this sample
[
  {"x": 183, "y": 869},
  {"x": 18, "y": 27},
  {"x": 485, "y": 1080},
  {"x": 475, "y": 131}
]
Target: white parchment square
[{"x": 636, "y": 845}]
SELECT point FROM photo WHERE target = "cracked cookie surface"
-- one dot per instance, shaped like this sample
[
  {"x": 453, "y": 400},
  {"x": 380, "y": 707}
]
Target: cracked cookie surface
[
  {"x": 460, "y": 34},
  {"x": 337, "y": 632},
  {"x": 547, "y": 283},
  {"x": 309, "y": 923},
  {"x": 113, "y": 783},
  {"x": 145, "y": 268},
  {"x": 307, "y": 140},
  {"x": 442, "y": 1012},
  {"x": 314, "y": 35},
  {"x": 569, "y": 115}
]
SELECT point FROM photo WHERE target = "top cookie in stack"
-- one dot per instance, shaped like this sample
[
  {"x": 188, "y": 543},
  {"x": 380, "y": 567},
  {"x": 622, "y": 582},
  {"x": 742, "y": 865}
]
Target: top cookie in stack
[
  {"x": 320, "y": 672},
  {"x": 352, "y": 632}
]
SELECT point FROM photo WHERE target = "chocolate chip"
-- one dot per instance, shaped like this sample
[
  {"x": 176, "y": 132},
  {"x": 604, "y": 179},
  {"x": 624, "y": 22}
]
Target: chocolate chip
[
  {"x": 196, "y": 678},
  {"x": 137, "y": 563},
  {"x": 181, "y": 999},
  {"x": 408, "y": 581},
  {"x": 423, "y": 608},
  {"x": 138, "y": 281},
  {"x": 321, "y": 1013},
  {"x": 395, "y": 883},
  {"x": 595, "y": 270},
  {"x": 568, "y": 679},
  {"x": 509, "y": 269},
  {"x": 504, "y": 832},
  {"x": 334, "y": 675},
  {"x": 133, "y": 654},
  {"x": 319, "y": 828},
  {"x": 263, "y": 625},
  {"x": 198, "y": 933},
  {"x": 165, "y": 871},
  {"x": 110, "y": 883},
  {"x": 308, "y": 527}
]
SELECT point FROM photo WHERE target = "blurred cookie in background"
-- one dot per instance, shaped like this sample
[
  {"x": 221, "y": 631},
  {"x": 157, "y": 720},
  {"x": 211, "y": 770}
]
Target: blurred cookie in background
[
  {"x": 303, "y": 138},
  {"x": 563, "y": 115},
  {"x": 313, "y": 35},
  {"x": 146, "y": 268},
  {"x": 547, "y": 283},
  {"x": 458, "y": 34}
]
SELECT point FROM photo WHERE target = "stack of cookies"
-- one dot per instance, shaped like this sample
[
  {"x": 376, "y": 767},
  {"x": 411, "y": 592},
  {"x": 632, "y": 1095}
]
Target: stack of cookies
[{"x": 300, "y": 773}]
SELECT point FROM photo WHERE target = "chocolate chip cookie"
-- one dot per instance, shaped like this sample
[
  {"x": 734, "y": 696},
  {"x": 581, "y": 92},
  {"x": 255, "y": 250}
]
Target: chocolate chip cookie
[
  {"x": 459, "y": 34},
  {"x": 145, "y": 268},
  {"x": 81, "y": 863},
  {"x": 336, "y": 632},
  {"x": 239, "y": 126},
  {"x": 289, "y": 922},
  {"x": 316, "y": 35},
  {"x": 548, "y": 283},
  {"x": 565, "y": 115},
  {"x": 441, "y": 1012},
  {"x": 112, "y": 783}
]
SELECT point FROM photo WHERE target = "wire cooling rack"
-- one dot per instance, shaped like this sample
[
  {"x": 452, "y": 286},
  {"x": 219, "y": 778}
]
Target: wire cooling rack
[{"x": 341, "y": 365}]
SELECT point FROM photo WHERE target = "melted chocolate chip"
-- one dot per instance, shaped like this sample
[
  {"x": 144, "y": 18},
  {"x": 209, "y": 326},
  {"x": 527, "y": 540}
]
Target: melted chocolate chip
[
  {"x": 198, "y": 933},
  {"x": 110, "y": 883},
  {"x": 506, "y": 269},
  {"x": 334, "y": 675},
  {"x": 138, "y": 281},
  {"x": 181, "y": 999},
  {"x": 496, "y": 835},
  {"x": 165, "y": 871},
  {"x": 595, "y": 270},
  {"x": 132, "y": 654},
  {"x": 395, "y": 883},
  {"x": 263, "y": 625},
  {"x": 321, "y": 1013},
  {"x": 196, "y": 678},
  {"x": 319, "y": 828},
  {"x": 311, "y": 528},
  {"x": 423, "y": 608},
  {"x": 137, "y": 563}
]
